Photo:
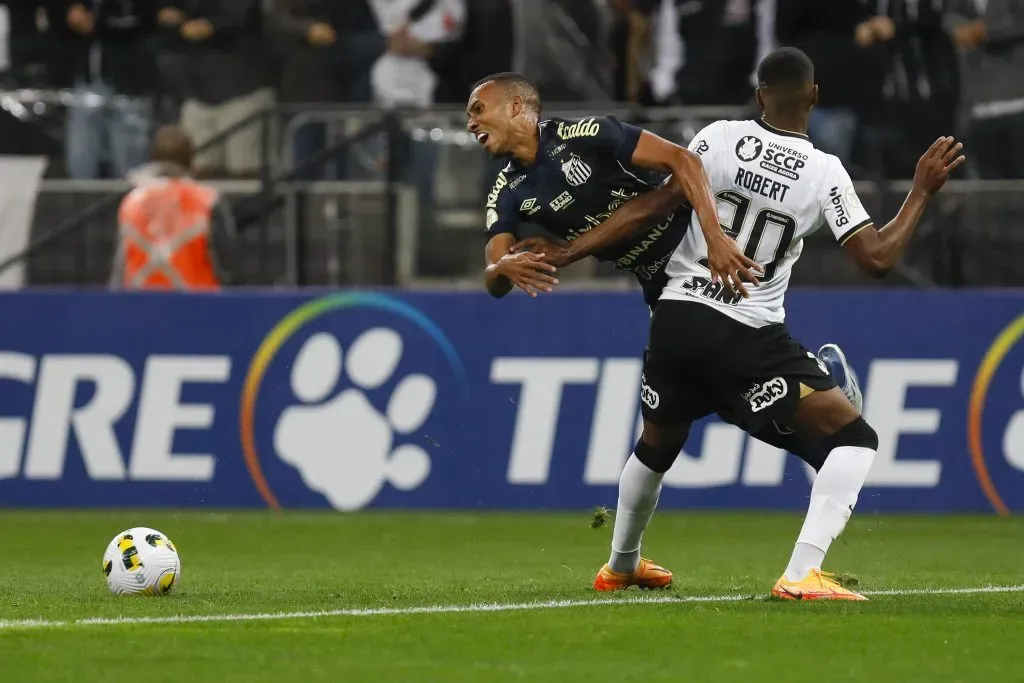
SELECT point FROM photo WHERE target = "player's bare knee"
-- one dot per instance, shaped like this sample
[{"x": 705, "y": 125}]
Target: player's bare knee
[
  {"x": 659, "y": 445},
  {"x": 825, "y": 412},
  {"x": 857, "y": 433}
]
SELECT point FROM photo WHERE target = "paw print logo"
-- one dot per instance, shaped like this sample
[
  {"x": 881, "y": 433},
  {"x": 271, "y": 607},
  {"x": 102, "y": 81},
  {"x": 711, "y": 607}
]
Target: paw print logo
[{"x": 344, "y": 447}]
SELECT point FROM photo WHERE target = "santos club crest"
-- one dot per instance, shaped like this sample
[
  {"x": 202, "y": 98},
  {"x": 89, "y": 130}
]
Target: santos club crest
[{"x": 576, "y": 171}]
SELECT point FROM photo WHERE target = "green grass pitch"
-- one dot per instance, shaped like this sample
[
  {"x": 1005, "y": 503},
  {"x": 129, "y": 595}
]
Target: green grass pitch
[{"x": 251, "y": 563}]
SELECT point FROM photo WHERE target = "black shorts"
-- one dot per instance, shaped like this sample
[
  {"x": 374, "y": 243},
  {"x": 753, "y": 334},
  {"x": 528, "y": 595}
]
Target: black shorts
[{"x": 701, "y": 361}]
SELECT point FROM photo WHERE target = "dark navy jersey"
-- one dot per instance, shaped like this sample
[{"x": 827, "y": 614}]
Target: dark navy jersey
[{"x": 583, "y": 173}]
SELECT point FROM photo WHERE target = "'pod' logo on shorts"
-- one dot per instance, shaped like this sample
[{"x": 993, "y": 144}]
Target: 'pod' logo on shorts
[
  {"x": 763, "y": 395},
  {"x": 648, "y": 395}
]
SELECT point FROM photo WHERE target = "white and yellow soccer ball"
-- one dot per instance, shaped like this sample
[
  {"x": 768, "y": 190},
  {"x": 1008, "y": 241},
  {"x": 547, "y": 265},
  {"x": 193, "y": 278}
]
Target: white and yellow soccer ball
[{"x": 141, "y": 561}]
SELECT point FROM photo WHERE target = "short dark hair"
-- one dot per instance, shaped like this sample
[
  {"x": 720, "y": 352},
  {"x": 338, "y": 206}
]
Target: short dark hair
[
  {"x": 172, "y": 144},
  {"x": 515, "y": 84},
  {"x": 785, "y": 67}
]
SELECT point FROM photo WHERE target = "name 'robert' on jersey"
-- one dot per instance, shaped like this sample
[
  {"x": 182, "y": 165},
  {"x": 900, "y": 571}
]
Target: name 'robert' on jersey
[
  {"x": 773, "y": 190},
  {"x": 583, "y": 173}
]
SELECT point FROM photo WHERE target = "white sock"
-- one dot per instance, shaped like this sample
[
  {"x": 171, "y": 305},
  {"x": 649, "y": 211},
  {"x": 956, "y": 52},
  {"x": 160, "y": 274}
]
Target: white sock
[
  {"x": 833, "y": 496},
  {"x": 639, "y": 488}
]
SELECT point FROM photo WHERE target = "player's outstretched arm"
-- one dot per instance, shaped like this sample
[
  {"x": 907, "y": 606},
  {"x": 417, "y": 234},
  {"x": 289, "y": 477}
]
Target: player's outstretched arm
[
  {"x": 877, "y": 251},
  {"x": 631, "y": 219},
  {"x": 504, "y": 270},
  {"x": 725, "y": 260}
]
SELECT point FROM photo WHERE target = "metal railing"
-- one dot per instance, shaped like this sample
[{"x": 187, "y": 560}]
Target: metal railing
[
  {"x": 312, "y": 234},
  {"x": 405, "y": 208},
  {"x": 74, "y": 221},
  {"x": 335, "y": 233}
]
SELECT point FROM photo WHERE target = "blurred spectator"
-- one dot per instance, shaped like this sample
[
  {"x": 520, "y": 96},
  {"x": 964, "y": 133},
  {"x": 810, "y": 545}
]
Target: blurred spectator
[
  {"x": 106, "y": 50},
  {"x": 422, "y": 38},
  {"x": 846, "y": 43},
  {"x": 922, "y": 85},
  {"x": 994, "y": 87},
  {"x": 312, "y": 73},
  {"x": 415, "y": 30},
  {"x": 705, "y": 50},
  {"x": 5, "y": 39},
  {"x": 29, "y": 42},
  {"x": 486, "y": 46},
  {"x": 625, "y": 84},
  {"x": 173, "y": 233},
  {"x": 218, "y": 62},
  {"x": 329, "y": 47},
  {"x": 764, "y": 29},
  {"x": 31, "y": 52},
  {"x": 554, "y": 48},
  {"x": 418, "y": 34}
]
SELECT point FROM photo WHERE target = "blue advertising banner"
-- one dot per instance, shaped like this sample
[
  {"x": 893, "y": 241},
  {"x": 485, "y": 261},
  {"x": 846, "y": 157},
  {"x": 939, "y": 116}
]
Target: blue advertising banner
[{"x": 361, "y": 399}]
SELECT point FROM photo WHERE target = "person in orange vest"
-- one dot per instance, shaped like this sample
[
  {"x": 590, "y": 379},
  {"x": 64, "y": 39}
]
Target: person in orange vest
[{"x": 173, "y": 232}]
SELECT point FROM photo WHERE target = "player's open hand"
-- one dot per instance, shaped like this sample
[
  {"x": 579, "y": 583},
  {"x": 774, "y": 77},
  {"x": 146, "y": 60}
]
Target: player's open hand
[
  {"x": 935, "y": 165},
  {"x": 554, "y": 253},
  {"x": 527, "y": 271},
  {"x": 730, "y": 266}
]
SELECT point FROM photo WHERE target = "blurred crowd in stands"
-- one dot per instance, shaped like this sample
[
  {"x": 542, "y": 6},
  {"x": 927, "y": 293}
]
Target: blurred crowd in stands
[{"x": 894, "y": 74}]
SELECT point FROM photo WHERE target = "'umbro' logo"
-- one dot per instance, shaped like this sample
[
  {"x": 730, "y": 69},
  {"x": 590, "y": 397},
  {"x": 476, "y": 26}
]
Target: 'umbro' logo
[{"x": 530, "y": 206}]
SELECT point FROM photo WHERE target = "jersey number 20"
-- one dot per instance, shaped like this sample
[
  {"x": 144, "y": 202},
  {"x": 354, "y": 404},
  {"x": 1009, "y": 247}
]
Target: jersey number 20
[{"x": 762, "y": 220}]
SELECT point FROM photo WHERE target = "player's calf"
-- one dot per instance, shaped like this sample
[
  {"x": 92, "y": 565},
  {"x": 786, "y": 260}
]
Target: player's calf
[
  {"x": 852, "y": 444},
  {"x": 639, "y": 489}
]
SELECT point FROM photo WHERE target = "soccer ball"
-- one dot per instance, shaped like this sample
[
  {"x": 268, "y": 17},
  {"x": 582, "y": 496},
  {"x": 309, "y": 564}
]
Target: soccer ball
[{"x": 141, "y": 561}]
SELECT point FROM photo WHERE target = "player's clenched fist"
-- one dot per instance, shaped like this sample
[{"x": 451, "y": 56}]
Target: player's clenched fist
[
  {"x": 527, "y": 271},
  {"x": 935, "y": 165}
]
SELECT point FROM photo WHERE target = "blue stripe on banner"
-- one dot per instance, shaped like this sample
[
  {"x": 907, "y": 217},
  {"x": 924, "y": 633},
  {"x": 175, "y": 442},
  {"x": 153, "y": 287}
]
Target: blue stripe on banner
[{"x": 455, "y": 400}]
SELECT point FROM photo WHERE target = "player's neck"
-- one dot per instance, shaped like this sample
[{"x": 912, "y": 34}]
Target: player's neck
[
  {"x": 524, "y": 152},
  {"x": 786, "y": 123}
]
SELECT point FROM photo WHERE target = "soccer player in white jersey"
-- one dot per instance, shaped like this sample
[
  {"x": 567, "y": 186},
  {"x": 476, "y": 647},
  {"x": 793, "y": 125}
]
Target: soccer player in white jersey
[
  {"x": 711, "y": 349},
  {"x": 569, "y": 175}
]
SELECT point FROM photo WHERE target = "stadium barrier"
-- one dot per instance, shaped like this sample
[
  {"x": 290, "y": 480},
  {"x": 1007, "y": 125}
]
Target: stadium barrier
[{"x": 382, "y": 399}]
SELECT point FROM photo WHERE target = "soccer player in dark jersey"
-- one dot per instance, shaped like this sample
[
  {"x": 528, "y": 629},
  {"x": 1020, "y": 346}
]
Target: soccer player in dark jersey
[{"x": 569, "y": 176}]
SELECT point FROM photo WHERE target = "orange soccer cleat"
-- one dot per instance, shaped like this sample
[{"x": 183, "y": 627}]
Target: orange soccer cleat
[
  {"x": 817, "y": 585},
  {"x": 647, "y": 575}
]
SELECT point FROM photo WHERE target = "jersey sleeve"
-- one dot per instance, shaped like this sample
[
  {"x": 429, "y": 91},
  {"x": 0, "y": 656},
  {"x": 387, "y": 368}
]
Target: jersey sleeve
[
  {"x": 710, "y": 144},
  {"x": 840, "y": 205},
  {"x": 500, "y": 214},
  {"x": 709, "y": 141},
  {"x": 604, "y": 137}
]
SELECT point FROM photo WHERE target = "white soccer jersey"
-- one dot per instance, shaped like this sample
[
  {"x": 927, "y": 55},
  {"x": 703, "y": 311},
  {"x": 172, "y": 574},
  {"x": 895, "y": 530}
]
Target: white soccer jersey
[{"x": 773, "y": 189}]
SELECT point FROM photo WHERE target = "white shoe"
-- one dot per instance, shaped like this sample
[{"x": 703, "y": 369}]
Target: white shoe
[{"x": 835, "y": 360}]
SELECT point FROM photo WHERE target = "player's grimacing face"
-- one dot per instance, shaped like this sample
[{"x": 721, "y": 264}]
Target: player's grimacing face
[{"x": 488, "y": 119}]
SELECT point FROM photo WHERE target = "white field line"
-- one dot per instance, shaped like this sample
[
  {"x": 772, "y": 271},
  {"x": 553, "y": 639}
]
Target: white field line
[{"x": 26, "y": 624}]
